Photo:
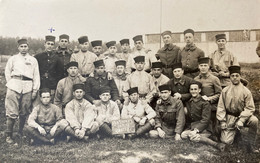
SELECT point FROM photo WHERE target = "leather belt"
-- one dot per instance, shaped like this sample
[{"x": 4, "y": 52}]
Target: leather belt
[
  {"x": 21, "y": 77},
  {"x": 85, "y": 75}
]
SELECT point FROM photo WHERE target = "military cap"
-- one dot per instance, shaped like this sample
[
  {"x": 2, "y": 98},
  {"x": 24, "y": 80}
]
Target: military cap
[
  {"x": 45, "y": 90},
  {"x": 99, "y": 63},
  {"x": 83, "y": 39},
  {"x": 234, "y": 69},
  {"x": 110, "y": 43},
  {"x": 220, "y": 36},
  {"x": 202, "y": 60},
  {"x": 197, "y": 83},
  {"x": 164, "y": 87},
  {"x": 124, "y": 41},
  {"x": 71, "y": 64},
  {"x": 132, "y": 90},
  {"x": 120, "y": 62},
  {"x": 189, "y": 31},
  {"x": 96, "y": 43},
  {"x": 139, "y": 59},
  {"x": 104, "y": 89},
  {"x": 138, "y": 38},
  {"x": 50, "y": 38},
  {"x": 157, "y": 65},
  {"x": 166, "y": 33},
  {"x": 22, "y": 41},
  {"x": 177, "y": 65},
  {"x": 64, "y": 36},
  {"x": 78, "y": 86}
]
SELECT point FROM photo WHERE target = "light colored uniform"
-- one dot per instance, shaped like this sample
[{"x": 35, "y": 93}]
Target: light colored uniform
[
  {"x": 110, "y": 63},
  {"x": 121, "y": 83},
  {"x": 160, "y": 81}
]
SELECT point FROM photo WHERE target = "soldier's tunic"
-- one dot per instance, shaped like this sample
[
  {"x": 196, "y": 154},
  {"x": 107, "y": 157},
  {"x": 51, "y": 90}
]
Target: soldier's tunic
[
  {"x": 94, "y": 84},
  {"x": 169, "y": 55},
  {"x": 85, "y": 61},
  {"x": 64, "y": 56},
  {"x": 121, "y": 83},
  {"x": 160, "y": 81},
  {"x": 123, "y": 56},
  {"x": 110, "y": 63},
  {"x": 189, "y": 60},
  {"x": 221, "y": 60},
  {"x": 144, "y": 82},
  {"x": 236, "y": 103}
]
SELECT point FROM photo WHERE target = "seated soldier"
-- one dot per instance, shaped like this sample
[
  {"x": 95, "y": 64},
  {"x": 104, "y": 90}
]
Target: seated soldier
[
  {"x": 141, "y": 112},
  {"x": 45, "y": 122},
  {"x": 170, "y": 118},
  {"x": 81, "y": 115},
  {"x": 198, "y": 118},
  {"x": 107, "y": 112}
]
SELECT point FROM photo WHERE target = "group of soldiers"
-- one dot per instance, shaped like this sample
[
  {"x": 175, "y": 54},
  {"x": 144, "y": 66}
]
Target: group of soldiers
[{"x": 173, "y": 93}]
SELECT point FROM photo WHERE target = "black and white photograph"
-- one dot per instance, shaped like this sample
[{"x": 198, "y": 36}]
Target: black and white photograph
[{"x": 130, "y": 81}]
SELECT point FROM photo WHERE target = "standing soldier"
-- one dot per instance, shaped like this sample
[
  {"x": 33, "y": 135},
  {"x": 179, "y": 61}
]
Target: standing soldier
[
  {"x": 111, "y": 57},
  {"x": 97, "y": 48},
  {"x": 235, "y": 110},
  {"x": 23, "y": 81},
  {"x": 125, "y": 47},
  {"x": 190, "y": 55},
  {"x": 169, "y": 54},
  {"x": 258, "y": 49},
  {"x": 64, "y": 53},
  {"x": 84, "y": 57}
]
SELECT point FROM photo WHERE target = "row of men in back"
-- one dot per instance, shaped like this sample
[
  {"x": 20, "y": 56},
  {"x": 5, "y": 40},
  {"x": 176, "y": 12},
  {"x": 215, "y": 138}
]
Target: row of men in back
[{"x": 148, "y": 85}]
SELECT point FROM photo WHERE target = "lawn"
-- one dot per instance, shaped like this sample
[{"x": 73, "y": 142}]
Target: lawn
[{"x": 142, "y": 150}]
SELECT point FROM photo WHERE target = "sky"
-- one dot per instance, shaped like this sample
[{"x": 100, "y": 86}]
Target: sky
[{"x": 117, "y": 19}]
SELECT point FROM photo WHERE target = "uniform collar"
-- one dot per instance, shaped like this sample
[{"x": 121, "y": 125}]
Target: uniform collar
[
  {"x": 103, "y": 76},
  {"x": 181, "y": 81},
  {"x": 167, "y": 102},
  {"x": 122, "y": 77},
  {"x": 196, "y": 99},
  {"x": 191, "y": 47},
  {"x": 204, "y": 76},
  {"x": 168, "y": 46}
]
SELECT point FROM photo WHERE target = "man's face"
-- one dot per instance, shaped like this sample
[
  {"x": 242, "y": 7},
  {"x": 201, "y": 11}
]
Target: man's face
[
  {"x": 125, "y": 47},
  {"x": 100, "y": 70},
  {"x": 139, "y": 66},
  {"x": 45, "y": 98},
  {"x": 189, "y": 38},
  {"x": 84, "y": 47},
  {"x": 156, "y": 72},
  {"x": 221, "y": 43},
  {"x": 78, "y": 94},
  {"x": 49, "y": 46},
  {"x": 165, "y": 94},
  {"x": 139, "y": 45},
  {"x": 120, "y": 69},
  {"x": 194, "y": 90},
  {"x": 72, "y": 71},
  {"x": 63, "y": 43},
  {"x": 23, "y": 48},
  {"x": 105, "y": 97},
  {"x": 178, "y": 72},
  {"x": 97, "y": 50},
  {"x": 167, "y": 39},
  {"x": 134, "y": 97},
  {"x": 235, "y": 78},
  {"x": 204, "y": 68},
  {"x": 112, "y": 50}
]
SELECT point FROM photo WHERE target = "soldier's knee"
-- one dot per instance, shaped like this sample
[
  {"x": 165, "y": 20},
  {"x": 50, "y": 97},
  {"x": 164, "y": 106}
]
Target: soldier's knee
[
  {"x": 28, "y": 129},
  {"x": 226, "y": 140},
  {"x": 153, "y": 134},
  {"x": 63, "y": 123},
  {"x": 253, "y": 121}
]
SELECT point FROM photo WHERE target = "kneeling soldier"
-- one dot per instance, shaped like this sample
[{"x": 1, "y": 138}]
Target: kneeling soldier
[
  {"x": 140, "y": 111},
  {"x": 81, "y": 115},
  {"x": 199, "y": 118},
  {"x": 45, "y": 122},
  {"x": 170, "y": 118}
]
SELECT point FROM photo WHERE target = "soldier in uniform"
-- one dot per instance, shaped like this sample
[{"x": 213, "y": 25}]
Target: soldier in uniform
[
  {"x": 84, "y": 57},
  {"x": 23, "y": 81},
  {"x": 97, "y": 48},
  {"x": 64, "y": 90},
  {"x": 125, "y": 47},
  {"x": 258, "y": 49},
  {"x": 64, "y": 53},
  {"x": 190, "y": 55},
  {"x": 142, "y": 80},
  {"x": 169, "y": 54},
  {"x": 170, "y": 118},
  {"x": 140, "y": 51},
  {"x": 235, "y": 111},
  {"x": 111, "y": 58},
  {"x": 142, "y": 113}
]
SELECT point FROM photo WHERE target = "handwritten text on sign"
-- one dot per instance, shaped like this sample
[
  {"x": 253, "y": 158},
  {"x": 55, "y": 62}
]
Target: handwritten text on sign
[{"x": 123, "y": 126}]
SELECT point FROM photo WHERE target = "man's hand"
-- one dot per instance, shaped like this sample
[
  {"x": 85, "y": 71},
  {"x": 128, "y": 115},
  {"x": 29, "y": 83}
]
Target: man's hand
[
  {"x": 91, "y": 74},
  {"x": 159, "y": 101},
  {"x": 34, "y": 94},
  {"x": 239, "y": 124},
  {"x": 41, "y": 130},
  {"x": 97, "y": 102},
  {"x": 205, "y": 97},
  {"x": 53, "y": 130},
  {"x": 127, "y": 101},
  {"x": 137, "y": 119},
  {"x": 81, "y": 133},
  {"x": 118, "y": 102},
  {"x": 161, "y": 133},
  {"x": 143, "y": 120},
  {"x": 177, "y": 95},
  {"x": 177, "y": 137},
  {"x": 77, "y": 132},
  {"x": 109, "y": 76},
  {"x": 223, "y": 125}
]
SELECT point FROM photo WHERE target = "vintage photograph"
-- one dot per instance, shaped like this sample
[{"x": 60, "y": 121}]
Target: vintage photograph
[{"x": 130, "y": 81}]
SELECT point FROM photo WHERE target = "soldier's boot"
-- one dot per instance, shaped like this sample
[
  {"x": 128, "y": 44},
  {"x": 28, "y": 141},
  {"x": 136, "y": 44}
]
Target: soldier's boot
[
  {"x": 250, "y": 137},
  {"x": 22, "y": 120},
  {"x": 217, "y": 145},
  {"x": 34, "y": 134},
  {"x": 105, "y": 130},
  {"x": 144, "y": 129},
  {"x": 70, "y": 133},
  {"x": 9, "y": 130}
]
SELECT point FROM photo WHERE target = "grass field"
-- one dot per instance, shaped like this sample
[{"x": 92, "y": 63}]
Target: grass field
[{"x": 142, "y": 150}]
